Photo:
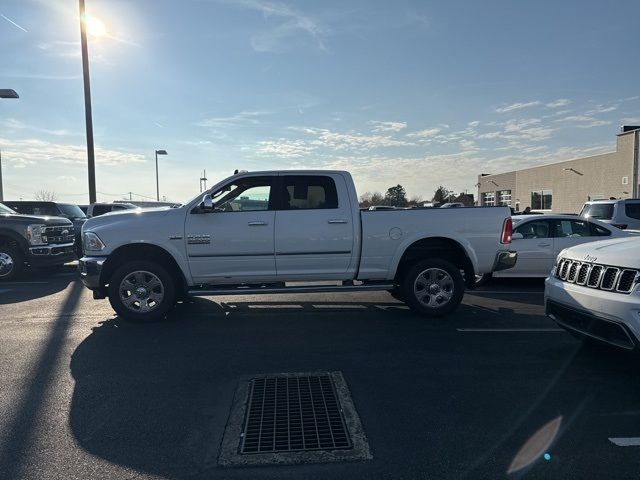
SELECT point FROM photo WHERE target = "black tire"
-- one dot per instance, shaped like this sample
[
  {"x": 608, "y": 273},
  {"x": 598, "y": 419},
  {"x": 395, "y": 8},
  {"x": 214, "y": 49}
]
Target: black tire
[
  {"x": 483, "y": 279},
  {"x": 143, "y": 306},
  {"x": 445, "y": 298},
  {"x": 11, "y": 263}
]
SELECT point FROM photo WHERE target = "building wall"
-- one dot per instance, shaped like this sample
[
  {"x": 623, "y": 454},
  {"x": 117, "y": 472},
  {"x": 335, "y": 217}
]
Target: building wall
[{"x": 600, "y": 176}]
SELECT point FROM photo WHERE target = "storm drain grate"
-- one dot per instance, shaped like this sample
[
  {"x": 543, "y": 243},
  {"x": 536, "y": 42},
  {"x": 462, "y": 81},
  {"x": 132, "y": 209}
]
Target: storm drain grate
[{"x": 292, "y": 414}]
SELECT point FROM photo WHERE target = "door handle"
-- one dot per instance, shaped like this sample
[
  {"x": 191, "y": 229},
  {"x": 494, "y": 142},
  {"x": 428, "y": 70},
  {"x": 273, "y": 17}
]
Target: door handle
[
  {"x": 337, "y": 221},
  {"x": 257, "y": 224},
  {"x": 544, "y": 244}
]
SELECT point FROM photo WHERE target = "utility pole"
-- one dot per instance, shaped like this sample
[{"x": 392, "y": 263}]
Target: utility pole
[{"x": 91, "y": 159}]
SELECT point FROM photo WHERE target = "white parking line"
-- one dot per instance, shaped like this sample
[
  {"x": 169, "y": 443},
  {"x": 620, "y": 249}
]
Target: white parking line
[
  {"x": 510, "y": 329},
  {"x": 625, "y": 441},
  {"x": 506, "y": 292},
  {"x": 339, "y": 306},
  {"x": 275, "y": 306}
]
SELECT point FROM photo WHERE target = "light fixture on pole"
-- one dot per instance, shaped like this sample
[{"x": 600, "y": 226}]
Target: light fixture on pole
[
  {"x": 203, "y": 181},
  {"x": 5, "y": 93},
  {"x": 158, "y": 152}
]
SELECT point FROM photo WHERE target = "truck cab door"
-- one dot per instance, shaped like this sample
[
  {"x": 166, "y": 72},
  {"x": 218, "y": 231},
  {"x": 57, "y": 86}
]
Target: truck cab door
[
  {"x": 234, "y": 243},
  {"x": 314, "y": 234}
]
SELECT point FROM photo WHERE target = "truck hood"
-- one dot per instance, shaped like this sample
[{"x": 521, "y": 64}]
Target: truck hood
[
  {"x": 620, "y": 252},
  {"x": 32, "y": 219},
  {"x": 122, "y": 216}
]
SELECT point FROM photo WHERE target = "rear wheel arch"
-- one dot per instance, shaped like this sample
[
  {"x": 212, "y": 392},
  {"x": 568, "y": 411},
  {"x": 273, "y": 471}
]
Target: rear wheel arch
[
  {"x": 143, "y": 251},
  {"x": 436, "y": 247}
]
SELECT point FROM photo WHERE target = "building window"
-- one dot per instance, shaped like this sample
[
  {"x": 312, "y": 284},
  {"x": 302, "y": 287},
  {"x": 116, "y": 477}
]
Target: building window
[
  {"x": 504, "y": 198},
  {"x": 489, "y": 199},
  {"x": 541, "y": 200}
]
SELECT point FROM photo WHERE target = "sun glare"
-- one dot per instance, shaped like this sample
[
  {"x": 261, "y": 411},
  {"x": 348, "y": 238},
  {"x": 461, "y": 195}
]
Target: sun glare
[{"x": 95, "y": 27}]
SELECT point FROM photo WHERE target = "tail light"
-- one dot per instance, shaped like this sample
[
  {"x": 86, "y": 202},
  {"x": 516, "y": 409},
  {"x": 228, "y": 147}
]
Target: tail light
[
  {"x": 621, "y": 226},
  {"x": 507, "y": 230}
]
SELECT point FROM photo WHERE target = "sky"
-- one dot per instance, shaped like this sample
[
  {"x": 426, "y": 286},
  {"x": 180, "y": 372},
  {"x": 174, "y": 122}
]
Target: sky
[{"x": 417, "y": 93}]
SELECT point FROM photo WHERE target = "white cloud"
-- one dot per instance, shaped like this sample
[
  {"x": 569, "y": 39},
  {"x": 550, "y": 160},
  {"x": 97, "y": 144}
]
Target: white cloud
[
  {"x": 289, "y": 22},
  {"x": 426, "y": 133},
  {"x": 381, "y": 127},
  {"x": 561, "y": 102},
  {"x": 35, "y": 151},
  {"x": 241, "y": 118},
  {"x": 473, "y": 124},
  {"x": 583, "y": 121},
  {"x": 517, "y": 106},
  {"x": 602, "y": 109},
  {"x": 285, "y": 148},
  {"x": 517, "y": 125}
]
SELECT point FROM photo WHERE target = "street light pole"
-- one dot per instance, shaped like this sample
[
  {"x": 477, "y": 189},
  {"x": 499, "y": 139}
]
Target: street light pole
[
  {"x": 158, "y": 152},
  {"x": 91, "y": 161},
  {"x": 5, "y": 93}
]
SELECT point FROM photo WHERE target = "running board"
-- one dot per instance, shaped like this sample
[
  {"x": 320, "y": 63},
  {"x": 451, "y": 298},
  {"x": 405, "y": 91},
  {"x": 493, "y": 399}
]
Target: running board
[{"x": 300, "y": 289}]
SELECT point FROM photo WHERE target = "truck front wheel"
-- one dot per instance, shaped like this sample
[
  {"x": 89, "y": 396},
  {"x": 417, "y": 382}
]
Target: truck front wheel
[
  {"x": 142, "y": 291},
  {"x": 11, "y": 263},
  {"x": 433, "y": 287}
]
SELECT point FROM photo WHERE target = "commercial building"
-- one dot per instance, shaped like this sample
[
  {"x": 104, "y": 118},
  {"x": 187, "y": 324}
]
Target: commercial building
[{"x": 563, "y": 187}]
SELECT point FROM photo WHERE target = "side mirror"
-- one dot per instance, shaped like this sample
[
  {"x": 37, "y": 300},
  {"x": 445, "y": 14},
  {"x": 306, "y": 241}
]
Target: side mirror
[
  {"x": 207, "y": 204},
  {"x": 517, "y": 236}
]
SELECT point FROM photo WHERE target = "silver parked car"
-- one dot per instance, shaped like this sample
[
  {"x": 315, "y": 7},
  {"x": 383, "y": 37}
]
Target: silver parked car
[
  {"x": 538, "y": 239},
  {"x": 622, "y": 213}
]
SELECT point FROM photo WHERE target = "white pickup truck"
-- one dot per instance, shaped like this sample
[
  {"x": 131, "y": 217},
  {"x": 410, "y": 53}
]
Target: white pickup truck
[{"x": 263, "y": 232}]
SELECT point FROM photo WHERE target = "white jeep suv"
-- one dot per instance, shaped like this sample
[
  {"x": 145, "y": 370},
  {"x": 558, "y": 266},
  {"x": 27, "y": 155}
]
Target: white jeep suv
[{"x": 594, "y": 291}]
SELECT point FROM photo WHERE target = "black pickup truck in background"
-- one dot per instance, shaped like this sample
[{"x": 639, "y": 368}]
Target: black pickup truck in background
[
  {"x": 36, "y": 241},
  {"x": 52, "y": 209}
]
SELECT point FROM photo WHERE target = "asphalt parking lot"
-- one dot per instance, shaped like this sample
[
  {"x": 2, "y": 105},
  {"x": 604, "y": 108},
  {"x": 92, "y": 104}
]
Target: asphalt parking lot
[{"x": 494, "y": 387}]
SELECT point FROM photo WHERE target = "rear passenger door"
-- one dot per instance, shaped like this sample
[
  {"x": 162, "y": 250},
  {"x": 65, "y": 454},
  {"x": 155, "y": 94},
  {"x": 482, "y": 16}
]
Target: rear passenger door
[
  {"x": 535, "y": 250},
  {"x": 314, "y": 231}
]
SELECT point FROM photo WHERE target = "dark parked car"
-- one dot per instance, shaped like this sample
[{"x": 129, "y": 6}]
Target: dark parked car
[
  {"x": 52, "y": 209},
  {"x": 33, "y": 240}
]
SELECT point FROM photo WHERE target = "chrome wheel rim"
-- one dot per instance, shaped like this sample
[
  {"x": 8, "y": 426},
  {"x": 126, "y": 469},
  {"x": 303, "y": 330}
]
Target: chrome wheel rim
[
  {"x": 433, "y": 288},
  {"x": 141, "y": 291},
  {"x": 6, "y": 264}
]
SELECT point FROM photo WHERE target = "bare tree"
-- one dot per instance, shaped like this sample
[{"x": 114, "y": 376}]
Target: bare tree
[
  {"x": 46, "y": 196},
  {"x": 416, "y": 201},
  {"x": 369, "y": 199}
]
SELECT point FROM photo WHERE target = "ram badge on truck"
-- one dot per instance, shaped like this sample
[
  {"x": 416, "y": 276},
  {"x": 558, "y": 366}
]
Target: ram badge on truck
[{"x": 261, "y": 232}]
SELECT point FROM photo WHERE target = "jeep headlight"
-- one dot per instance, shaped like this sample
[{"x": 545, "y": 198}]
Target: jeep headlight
[
  {"x": 35, "y": 235},
  {"x": 91, "y": 242}
]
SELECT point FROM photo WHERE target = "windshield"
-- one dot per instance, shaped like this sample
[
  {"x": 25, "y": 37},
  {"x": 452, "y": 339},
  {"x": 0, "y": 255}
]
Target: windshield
[
  {"x": 5, "y": 209},
  {"x": 71, "y": 211},
  {"x": 601, "y": 211}
]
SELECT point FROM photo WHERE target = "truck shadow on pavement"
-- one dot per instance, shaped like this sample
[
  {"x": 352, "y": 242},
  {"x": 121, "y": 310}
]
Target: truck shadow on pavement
[
  {"x": 36, "y": 284},
  {"x": 156, "y": 397}
]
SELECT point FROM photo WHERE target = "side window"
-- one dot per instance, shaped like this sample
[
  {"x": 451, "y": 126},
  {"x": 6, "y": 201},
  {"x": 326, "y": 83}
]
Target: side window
[
  {"x": 45, "y": 210},
  {"x": 632, "y": 210},
  {"x": 534, "y": 229},
  {"x": 572, "y": 228},
  {"x": 308, "y": 192},
  {"x": 245, "y": 195},
  {"x": 598, "y": 231},
  {"x": 101, "y": 209}
]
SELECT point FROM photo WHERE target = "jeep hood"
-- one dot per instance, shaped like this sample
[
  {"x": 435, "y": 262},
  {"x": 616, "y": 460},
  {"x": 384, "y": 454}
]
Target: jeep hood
[{"x": 619, "y": 252}]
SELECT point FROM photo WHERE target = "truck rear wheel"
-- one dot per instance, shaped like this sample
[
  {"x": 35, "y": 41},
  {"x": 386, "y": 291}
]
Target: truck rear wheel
[
  {"x": 11, "y": 263},
  {"x": 433, "y": 287},
  {"x": 142, "y": 291}
]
